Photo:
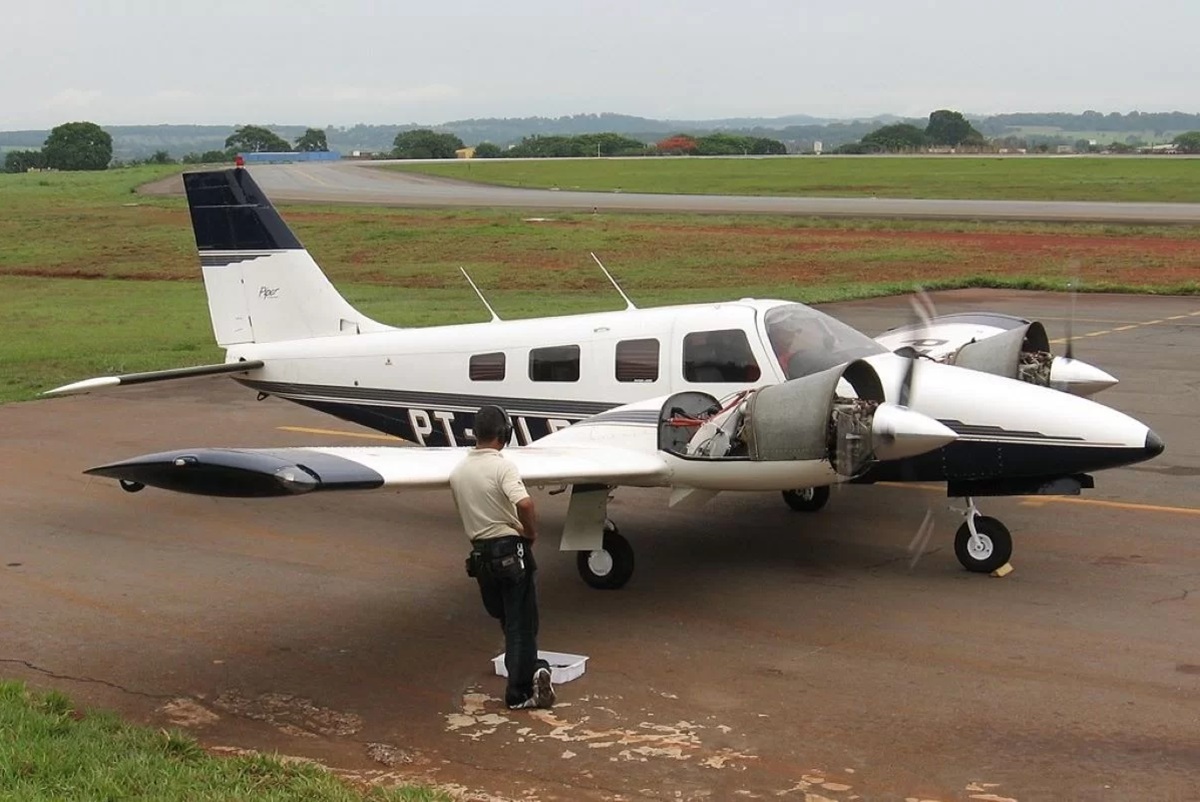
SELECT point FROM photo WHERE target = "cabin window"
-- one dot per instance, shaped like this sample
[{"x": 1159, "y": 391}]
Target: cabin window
[
  {"x": 637, "y": 361},
  {"x": 487, "y": 367},
  {"x": 558, "y": 363},
  {"x": 719, "y": 356}
]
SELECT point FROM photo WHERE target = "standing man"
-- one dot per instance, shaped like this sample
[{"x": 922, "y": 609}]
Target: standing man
[{"x": 499, "y": 518}]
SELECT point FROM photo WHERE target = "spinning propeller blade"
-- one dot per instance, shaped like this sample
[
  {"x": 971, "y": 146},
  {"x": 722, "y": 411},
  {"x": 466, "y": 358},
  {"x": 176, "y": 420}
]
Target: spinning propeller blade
[
  {"x": 1066, "y": 372},
  {"x": 923, "y": 312}
]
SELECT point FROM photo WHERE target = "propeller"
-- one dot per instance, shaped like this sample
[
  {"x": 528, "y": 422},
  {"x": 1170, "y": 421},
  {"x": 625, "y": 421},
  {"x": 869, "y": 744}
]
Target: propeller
[
  {"x": 1066, "y": 372},
  {"x": 1072, "y": 290},
  {"x": 923, "y": 312}
]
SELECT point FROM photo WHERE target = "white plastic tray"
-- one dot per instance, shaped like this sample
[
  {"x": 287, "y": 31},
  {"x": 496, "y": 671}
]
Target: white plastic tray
[{"x": 563, "y": 667}]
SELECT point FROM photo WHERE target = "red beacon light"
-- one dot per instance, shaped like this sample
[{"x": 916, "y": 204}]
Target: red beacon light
[{"x": 238, "y": 161}]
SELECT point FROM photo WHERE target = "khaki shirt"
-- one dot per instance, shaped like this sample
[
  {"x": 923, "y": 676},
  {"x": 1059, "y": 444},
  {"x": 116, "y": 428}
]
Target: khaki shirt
[{"x": 486, "y": 489}]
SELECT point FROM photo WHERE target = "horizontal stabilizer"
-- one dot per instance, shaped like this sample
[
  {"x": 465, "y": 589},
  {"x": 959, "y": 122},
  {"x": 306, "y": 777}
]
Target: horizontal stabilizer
[{"x": 106, "y": 382}]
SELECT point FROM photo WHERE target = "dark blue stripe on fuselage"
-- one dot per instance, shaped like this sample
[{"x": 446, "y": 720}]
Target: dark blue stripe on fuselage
[
  {"x": 441, "y": 419},
  {"x": 543, "y": 407},
  {"x": 430, "y": 425}
]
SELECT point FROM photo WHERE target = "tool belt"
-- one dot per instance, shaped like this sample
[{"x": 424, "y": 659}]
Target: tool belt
[{"x": 501, "y": 558}]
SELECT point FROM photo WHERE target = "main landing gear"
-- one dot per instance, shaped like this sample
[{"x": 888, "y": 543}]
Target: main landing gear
[
  {"x": 610, "y": 566},
  {"x": 982, "y": 544},
  {"x": 810, "y": 499}
]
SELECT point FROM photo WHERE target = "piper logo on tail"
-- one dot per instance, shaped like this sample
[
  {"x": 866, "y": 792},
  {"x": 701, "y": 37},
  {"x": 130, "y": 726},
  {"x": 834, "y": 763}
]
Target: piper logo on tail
[{"x": 267, "y": 293}]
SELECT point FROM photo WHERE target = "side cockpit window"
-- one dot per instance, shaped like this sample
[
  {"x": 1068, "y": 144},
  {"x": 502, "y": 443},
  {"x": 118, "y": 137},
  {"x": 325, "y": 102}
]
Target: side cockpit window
[{"x": 719, "y": 357}]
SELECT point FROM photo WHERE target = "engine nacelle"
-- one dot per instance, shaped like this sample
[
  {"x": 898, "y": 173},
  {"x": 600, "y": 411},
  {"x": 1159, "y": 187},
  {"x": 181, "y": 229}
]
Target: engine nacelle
[
  {"x": 1022, "y": 352},
  {"x": 801, "y": 419},
  {"x": 805, "y": 419}
]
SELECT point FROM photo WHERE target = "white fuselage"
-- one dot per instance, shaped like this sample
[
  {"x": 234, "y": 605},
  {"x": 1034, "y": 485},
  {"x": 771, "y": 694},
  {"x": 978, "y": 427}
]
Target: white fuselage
[
  {"x": 424, "y": 385},
  {"x": 416, "y": 383}
]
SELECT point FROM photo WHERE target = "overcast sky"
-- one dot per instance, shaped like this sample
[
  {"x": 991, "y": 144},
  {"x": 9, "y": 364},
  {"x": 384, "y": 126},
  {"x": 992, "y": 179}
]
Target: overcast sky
[{"x": 320, "y": 63}]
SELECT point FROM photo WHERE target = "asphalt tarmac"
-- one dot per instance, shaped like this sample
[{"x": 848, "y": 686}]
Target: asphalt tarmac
[
  {"x": 362, "y": 182},
  {"x": 757, "y": 652}
]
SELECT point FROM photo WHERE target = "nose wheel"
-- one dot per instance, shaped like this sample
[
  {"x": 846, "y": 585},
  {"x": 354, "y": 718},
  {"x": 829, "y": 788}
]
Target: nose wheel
[
  {"x": 610, "y": 566},
  {"x": 810, "y": 499},
  {"x": 982, "y": 544}
]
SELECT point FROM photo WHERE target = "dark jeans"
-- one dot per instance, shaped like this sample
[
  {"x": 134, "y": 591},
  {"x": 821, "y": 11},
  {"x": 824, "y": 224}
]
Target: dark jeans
[{"x": 512, "y": 600}]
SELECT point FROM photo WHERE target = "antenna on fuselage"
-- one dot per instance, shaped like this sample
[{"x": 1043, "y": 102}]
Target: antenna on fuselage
[
  {"x": 467, "y": 276},
  {"x": 628, "y": 303}
]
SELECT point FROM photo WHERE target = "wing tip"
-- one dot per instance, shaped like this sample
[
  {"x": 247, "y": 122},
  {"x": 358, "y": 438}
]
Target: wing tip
[{"x": 84, "y": 386}]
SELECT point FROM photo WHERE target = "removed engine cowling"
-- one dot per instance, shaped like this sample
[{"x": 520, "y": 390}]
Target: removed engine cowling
[{"x": 802, "y": 419}]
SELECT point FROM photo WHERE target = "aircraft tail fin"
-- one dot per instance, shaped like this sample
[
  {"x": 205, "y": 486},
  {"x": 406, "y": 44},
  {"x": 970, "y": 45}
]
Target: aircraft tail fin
[{"x": 262, "y": 285}]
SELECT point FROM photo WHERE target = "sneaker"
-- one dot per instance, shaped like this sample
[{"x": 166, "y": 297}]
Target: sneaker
[
  {"x": 528, "y": 704},
  {"x": 543, "y": 691}
]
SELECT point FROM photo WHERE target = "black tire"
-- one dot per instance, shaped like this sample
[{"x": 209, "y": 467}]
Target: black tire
[
  {"x": 609, "y": 567},
  {"x": 998, "y": 544},
  {"x": 810, "y": 499}
]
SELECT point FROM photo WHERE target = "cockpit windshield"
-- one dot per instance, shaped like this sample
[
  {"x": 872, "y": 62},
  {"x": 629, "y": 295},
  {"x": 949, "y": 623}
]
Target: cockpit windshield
[{"x": 806, "y": 341}]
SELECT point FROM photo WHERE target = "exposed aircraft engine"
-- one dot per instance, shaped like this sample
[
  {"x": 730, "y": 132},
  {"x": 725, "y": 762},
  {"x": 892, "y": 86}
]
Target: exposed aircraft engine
[
  {"x": 801, "y": 419},
  {"x": 806, "y": 419},
  {"x": 1022, "y": 352},
  {"x": 1002, "y": 345}
]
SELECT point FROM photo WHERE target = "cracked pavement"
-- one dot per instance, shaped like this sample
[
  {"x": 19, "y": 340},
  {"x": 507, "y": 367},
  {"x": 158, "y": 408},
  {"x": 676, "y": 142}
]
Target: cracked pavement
[{"x": 757, "y": 652}]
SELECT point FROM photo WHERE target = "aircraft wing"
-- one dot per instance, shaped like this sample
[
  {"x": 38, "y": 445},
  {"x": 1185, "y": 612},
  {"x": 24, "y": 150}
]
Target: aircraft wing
[{"x": 258, "y": 472}]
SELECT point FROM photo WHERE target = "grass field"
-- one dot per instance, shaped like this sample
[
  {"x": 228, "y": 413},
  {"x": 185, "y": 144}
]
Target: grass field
[
  {"x": 95, "y": 280},
  {"x": 51, "y": 752},
  {"x": 1159, "y": 179}
]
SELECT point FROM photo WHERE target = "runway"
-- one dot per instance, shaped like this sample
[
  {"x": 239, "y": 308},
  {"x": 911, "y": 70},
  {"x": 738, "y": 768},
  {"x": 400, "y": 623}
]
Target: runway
[
  {"x": 363, "y": 182},
  {"x": 756, "y": 653}
]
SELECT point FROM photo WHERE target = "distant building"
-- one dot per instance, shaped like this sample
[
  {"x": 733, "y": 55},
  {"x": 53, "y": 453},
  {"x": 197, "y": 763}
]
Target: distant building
[
  {"x": 817, "y": 147},
  {"x": 465, "y": 153},
  {"x": 283, "y": 157}
]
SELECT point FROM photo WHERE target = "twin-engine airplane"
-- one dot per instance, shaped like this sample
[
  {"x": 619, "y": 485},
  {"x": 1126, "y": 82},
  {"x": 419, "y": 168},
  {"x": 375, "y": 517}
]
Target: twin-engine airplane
[{"x": 744, "y": 395}]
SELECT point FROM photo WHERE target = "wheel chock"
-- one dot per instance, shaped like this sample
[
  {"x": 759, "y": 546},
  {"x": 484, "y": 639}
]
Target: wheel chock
[{"x": 1003, "y": 570}]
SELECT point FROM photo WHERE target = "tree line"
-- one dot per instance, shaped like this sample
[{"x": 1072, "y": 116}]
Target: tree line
[
  {"x": 950, "y": 129},
  {"x": 86, "y": 146},
  {"x": 425, "y": 143}
]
